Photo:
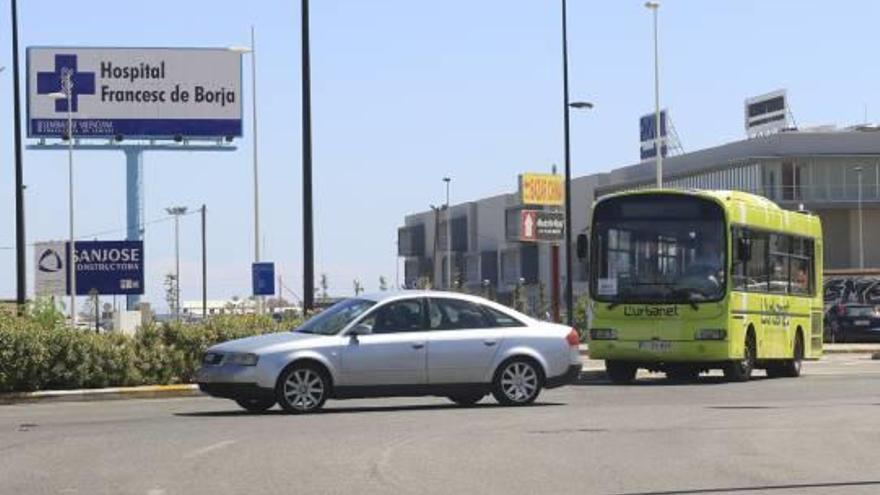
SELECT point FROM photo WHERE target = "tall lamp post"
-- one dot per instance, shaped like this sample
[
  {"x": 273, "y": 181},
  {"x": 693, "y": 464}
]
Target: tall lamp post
[
  {"x": 861, "y": 232},
  {"x": 66, "y": 94},
  {"x": 658, "y": 141},
  {"x": 253, "y": 51},
  {"x": 176, "y": 212},
  {"x": 308, "y": 239},
  {"x": 448, "y": 180},
  {"x": 566, "y": 107}
]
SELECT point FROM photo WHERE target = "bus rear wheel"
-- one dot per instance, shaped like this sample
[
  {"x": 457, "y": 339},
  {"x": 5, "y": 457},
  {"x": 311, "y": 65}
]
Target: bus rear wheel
[
  {"x": 790, "y": 368},
  {"x": 741, "y": 370},
  {"x": 620, "y": 372}
]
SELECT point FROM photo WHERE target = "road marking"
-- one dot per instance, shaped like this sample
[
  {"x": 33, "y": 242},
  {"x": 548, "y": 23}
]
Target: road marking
[{"x": 206, "y": 450}]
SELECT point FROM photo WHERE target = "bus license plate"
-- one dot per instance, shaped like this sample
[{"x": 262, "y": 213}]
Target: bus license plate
[
  {"x": 862, "y": 323},
  {"x": 655, "y": 346}
]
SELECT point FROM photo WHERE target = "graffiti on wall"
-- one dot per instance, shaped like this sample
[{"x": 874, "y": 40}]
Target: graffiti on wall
[{"x": 842, "y": 289}]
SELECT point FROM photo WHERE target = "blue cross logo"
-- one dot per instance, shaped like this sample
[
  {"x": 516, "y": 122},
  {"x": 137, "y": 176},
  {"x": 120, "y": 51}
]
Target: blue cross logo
[{"x": 83, "y": 83}]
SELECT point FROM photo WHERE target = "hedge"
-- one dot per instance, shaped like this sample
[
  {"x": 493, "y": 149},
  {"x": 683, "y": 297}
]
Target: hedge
[{"x": 39, "y": 352}]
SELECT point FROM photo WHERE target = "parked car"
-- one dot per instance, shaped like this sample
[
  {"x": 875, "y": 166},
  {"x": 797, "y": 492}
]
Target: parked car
[
  {"x": 852, "y": 323},
  {"x": 409, "y": 343}
]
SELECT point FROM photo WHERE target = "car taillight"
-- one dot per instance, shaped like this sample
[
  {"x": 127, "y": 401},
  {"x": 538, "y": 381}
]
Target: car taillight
[{"x": 573, "y": 338}]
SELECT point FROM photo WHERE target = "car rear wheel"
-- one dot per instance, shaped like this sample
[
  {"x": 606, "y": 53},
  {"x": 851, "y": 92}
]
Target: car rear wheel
[
  {"x": 256, "y": 405},
  {"x": 302, "y": 389},
  {"x": 467, "y": 399},
  {"x": 620, "y": 372},
  {"x": 518, "y": 382}
]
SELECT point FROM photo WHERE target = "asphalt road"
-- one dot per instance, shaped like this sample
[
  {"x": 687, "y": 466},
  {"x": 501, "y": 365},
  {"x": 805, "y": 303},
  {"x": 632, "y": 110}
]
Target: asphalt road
[{"x": 818, "y": 434}]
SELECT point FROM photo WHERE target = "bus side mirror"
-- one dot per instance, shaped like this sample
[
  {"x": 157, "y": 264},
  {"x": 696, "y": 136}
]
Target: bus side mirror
[
  {"x": 582, "y": 246},
  {"x": 743, "y": 249}
]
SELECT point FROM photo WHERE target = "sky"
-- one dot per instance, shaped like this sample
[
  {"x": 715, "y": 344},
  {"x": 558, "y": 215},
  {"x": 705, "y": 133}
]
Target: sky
[{"x": 406, "y": 92}]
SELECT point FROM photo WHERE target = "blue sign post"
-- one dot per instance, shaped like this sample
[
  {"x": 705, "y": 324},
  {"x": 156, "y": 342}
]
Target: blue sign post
[
  {"x": 108, "y": 267},
  {"x": 263, "y": 278}
]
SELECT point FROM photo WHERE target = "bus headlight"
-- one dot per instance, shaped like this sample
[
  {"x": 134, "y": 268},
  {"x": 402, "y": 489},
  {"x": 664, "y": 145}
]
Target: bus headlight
[
  {"x": 603, "y": 334},
  {"x": 711, "y": 334}
]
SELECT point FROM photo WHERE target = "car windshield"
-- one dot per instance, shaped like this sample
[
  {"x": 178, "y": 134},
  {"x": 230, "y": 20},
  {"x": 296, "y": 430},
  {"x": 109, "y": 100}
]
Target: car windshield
[
  {"x": 860, "y": 311},
  {"x": 658, "y": 248},
  {"x": 333, "y": 319}
]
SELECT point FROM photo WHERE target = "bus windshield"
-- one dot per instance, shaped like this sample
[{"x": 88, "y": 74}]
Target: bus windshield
[{"x": 658, "y": 248}]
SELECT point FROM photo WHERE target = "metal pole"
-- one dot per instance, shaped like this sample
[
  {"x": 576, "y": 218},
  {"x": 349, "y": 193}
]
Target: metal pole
[
  {"x": 448, "y": 180},
  {"x": 67, "y": 84},
  {"x": 861, "y": 232},
  {"x": 177, "y": 267},
  {"x": 20, "y": 247},
  {"x": 569, "y": 287},
  {"x": 204, "y": 264},
  {"x": 308, "y": 242},
  {"x": 658, "y": 140},
  {"x": 134, "y": 165},
  {"x": 258, "y": 299}
]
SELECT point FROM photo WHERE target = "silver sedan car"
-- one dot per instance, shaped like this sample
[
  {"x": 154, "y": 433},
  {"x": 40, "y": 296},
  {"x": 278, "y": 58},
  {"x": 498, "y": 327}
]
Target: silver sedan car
[{"x": 405, "y": 343}]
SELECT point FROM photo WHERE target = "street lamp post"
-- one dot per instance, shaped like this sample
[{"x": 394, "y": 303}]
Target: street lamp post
[
  {"x": 861, "y": 226},
  {"x": 448, "y": 180},
  {"x": 66, "y": 93},
  {"x": 253, "y": 52},
  {"x": 566, "y": 106},
  {"x": 658, "y": 142},
  {"x": 176, "y": 212}
]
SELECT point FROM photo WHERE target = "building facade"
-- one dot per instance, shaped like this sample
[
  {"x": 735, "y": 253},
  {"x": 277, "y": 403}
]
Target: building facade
[{"x": 833, "y": 173}]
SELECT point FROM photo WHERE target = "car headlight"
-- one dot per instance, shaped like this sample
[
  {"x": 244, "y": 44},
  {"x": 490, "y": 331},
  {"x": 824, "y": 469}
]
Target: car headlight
[
  {"x": 242, "y": 359},
  {"x": 603, "y": 334},
  {"x": 212, "y": 358},
  {"x": 711, "y": 334}
]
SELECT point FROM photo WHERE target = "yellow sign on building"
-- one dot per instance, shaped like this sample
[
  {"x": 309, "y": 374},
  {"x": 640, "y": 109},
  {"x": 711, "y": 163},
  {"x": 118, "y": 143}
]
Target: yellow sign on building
[{"x": 542, "y": 189}]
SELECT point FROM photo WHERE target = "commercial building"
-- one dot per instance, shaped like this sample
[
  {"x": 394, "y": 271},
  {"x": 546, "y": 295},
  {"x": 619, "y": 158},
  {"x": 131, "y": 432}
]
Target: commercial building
[{"x": 834, "y": 173}]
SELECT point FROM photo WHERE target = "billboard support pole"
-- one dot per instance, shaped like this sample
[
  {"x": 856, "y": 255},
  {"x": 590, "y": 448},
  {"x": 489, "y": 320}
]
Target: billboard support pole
[
  {"x": 204, "y": 264},
  {"x": 20, "y": 247},
  {"x": 134, "y": 168}
]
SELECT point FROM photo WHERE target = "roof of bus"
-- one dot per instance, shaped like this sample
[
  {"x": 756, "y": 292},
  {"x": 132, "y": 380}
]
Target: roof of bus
[
  {"x": 743, "y": 207},
  {"x": 722, "y": 196}
]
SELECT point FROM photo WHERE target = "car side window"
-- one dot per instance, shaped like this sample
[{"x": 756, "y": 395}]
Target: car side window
[
  {"x": 500, "y": 319},
  {"x": 455, "y": 314},
  {"x": 398, "y": 316}
]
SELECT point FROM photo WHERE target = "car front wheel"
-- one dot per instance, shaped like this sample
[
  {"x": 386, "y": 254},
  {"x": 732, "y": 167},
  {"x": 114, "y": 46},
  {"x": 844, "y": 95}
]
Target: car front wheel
[
  {"x": 256, "y": 405},
  {"x": 467, "y": 399},
  {"x": 302, "y": 389},
  {"x": 517, "y": 383}
]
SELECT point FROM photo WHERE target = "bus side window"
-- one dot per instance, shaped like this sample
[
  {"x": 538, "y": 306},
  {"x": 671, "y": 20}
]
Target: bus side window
[{"x": 738, "y": 269}]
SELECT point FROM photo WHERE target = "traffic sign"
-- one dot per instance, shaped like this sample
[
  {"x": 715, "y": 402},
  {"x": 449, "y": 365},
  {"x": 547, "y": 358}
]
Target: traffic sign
[
  {"x": 537, "y": 225},
  {"x": 263, "y": 278}
]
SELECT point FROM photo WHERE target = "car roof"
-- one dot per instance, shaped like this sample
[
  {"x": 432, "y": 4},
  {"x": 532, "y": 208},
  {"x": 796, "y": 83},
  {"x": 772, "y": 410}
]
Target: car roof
[{"x": 383, "y": 296}]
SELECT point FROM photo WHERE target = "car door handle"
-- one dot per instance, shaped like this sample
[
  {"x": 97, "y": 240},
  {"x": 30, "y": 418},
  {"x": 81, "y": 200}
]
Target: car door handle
[
  {"x": 418, "y": 345},
  {"x": 489, "y": 343}
]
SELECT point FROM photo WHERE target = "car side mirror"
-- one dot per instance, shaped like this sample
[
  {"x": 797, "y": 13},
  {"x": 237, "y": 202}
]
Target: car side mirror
[
  {"x": 583, "y": 246},
  {"x": 743, "y": 249},
  {"x": 360, "y": 329}
]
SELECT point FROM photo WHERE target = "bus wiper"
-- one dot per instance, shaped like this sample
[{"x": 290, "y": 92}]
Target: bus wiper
[{"x": 687, "y": 295}]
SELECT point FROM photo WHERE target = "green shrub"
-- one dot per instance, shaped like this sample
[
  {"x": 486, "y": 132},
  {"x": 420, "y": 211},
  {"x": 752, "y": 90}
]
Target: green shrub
[{"x": 38, "y": 351}]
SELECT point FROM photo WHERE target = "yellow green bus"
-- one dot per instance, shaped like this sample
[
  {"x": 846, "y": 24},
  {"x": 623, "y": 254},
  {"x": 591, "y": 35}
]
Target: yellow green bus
[{"x": 682, "y": 282}]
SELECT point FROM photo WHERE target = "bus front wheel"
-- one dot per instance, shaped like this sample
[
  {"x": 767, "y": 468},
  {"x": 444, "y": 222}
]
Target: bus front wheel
[
  {"x": 741, "y": 370},
  {"x": 620, "y": 372}
]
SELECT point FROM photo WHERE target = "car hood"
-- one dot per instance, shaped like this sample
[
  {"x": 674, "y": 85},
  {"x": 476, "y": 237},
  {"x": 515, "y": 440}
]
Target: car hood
[{"x": 267, "y": 342}]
